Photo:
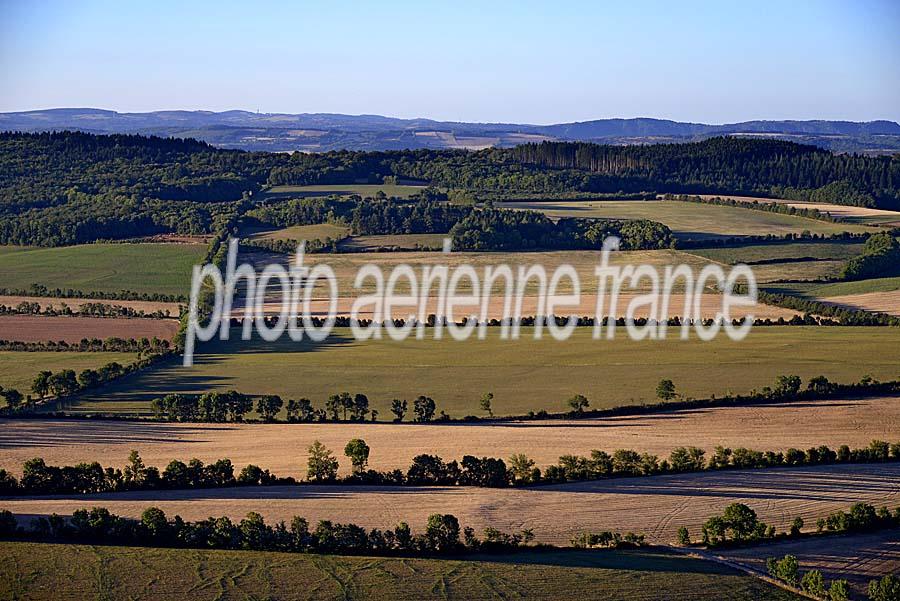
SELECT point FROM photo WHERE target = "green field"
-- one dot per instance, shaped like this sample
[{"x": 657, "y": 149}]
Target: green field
[
  {"x": 524, "y": 375},
  {"x": 33, "y": 571},
  {"x": 150, "y": 268},
  {"x": 364, "y": 190},
  {"x": 754, "y": 253},
  {"x": 829, "y": 289},
  {"x": 691, "y": 220},
  {"x": 403, "y": 241},
  {"x": 18, "y": 369},
  {"x": 318, "y": 231}
]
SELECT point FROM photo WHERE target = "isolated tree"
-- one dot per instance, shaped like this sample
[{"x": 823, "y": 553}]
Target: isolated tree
[
  {"x": 578, "y": 403},
  {"x": 268, "y": 406},
  {"x": 442, "y": 532},
  {"x": 665, "y": 390},
  {"x": 424, "y": 408},
  {"x": 88, "y": 378},
  {"x": 886, "y": 588},
  {"x": 321, "y": 465},
  {"x": 13, "y": 398},
  {"x": 398, "y": 408},
  {"x": 521, "y": 468},
  {"x": 41, "y": 384},
  {"x": 486, "y": 403},
  {"x": 359, "y": 408},
  {"x": 813, "y": 583},
  {"x": 358, "y": 452},
  {"x": 839, "y": 590},
  {"x": 684, "y": 537},
  {"x": 786, "y": 386},
  {"x": 796, "y": 526}
]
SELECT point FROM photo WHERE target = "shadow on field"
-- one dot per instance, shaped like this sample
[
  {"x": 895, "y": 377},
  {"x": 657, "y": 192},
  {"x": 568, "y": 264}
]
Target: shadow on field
[
  {"x": 36, "y": 434},
  {"x": 638, "y": 560}
]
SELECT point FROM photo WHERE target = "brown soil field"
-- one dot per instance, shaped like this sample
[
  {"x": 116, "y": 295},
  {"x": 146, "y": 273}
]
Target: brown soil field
[
  {"x": 74, "y": 303},
  {"x": 711, "y": 304},
  {"x": 883, "y": 302},
  {"x": 281, "y": 448},
  {"x": 656, "y": 506},
  {"x": 40, "y": 328},
  {"x": 859, "y": 557}
]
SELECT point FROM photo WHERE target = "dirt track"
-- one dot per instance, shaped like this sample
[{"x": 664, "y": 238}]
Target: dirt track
[
  {"x": 656, "y": 506},
  {"x": 281, "y": 448}
]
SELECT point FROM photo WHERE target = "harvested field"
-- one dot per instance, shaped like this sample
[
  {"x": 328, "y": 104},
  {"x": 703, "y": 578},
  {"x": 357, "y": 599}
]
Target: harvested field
[
  {"x": 43, "y": 328},
  {"x": 829, "y": 290},
  {"x": 281, "y": 448},
  {"x": 857, "y": 557},
  {"x": 761, "y": 253},
  {"x": 656, "y": 506},
  {"x": 143, "y": 574},
  {"x": 846, "y": 212},
  {"x": 524, "y": 374},
  {"x": 689, "y": 220},
  {"x": 74, "y": 303},
  {"x": 882, "y": 302},
  {"x": 403, "y": 241}
]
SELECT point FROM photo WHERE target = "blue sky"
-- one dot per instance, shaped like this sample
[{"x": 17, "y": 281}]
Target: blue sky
[{"x": 481, "y": 61}]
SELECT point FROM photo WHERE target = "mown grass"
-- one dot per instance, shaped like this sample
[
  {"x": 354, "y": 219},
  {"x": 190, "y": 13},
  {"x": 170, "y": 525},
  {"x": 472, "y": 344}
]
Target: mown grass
[
  {"x": 318, "y": 231},
  {"x": 830, "y": 289},
  {"x": 18, "y": 369},
  {"x": 33, "y": 571},
  {"x": 754, "y": 253},
  {"x": 692, "y": 220},
  {"x": 364, "y": 190},
  {"x": 150, "y": 268},
  {"x": 524, "y": 375}
]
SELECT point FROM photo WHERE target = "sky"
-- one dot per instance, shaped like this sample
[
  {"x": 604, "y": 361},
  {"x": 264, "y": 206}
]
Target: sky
[{"x": 521, "y": 62}]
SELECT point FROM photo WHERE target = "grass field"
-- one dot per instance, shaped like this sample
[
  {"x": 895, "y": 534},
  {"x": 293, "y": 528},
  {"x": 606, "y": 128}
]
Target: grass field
[
  {"x": 319, "y": 231},
  {"x": 94, "y": 572},
  {"x": 755, "y": 253},
  {"x": 18, "y": 369},
  {"x": 524, "y": 375},
  {"x": 655, "y": 506},
  {"x": 364, "y": 190},
  {"x": 402, "y": 241},
  {"x": 825, "y": 290},
  {"x": 857, "y": 557},
  {"x": 282, "y": 448},
  {"x": 150, "y": 268},
  {"x": 691, "y": 220}
]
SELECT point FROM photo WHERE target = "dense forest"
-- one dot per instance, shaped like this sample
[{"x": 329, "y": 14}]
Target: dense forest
[{"x": 71, "y": 187}]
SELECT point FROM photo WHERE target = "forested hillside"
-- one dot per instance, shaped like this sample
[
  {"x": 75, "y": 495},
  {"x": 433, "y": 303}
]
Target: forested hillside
[{"x": 69, "y": 187}]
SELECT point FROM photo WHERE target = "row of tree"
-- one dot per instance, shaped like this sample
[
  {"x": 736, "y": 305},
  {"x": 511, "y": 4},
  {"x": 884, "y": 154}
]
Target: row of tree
[
  {"x": 442, "y": 535},
  {"x": 45, "y": 292},
  {"x": 425, "y": 469},
  {"x": 113, "y": 344},
  {"x": 90, "y": 309}
]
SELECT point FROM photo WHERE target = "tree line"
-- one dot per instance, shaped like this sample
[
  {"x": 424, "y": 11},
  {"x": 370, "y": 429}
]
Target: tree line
[
  {"x": 425, "y": 469},
  {"x": 442, "y": 535},
  {"x": 44, "y": 292},
  {"x": 90, "y": 309},
  {"x": 880, "y": 258}
]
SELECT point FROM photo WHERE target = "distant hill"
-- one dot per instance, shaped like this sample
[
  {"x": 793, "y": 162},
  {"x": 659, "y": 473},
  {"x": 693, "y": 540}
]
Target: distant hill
[{"x": 317, "y": 132}]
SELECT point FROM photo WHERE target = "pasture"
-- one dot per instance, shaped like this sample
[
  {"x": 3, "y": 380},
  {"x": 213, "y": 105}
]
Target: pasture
[
  {"x": 524, "y": 374},
  {"x": 319, "y": 231},
  {"x": 44, "y": 328},
  {"x": 282, "y": 448},
  {"x": 142, "y": 268},
  {"x": 689, "y": 220},
  {"x": 365, "y": 190},
  {"x": 145, "y": 574},
  {"x": 655, "y": 506},
  {"x": 18, "y": 369}
]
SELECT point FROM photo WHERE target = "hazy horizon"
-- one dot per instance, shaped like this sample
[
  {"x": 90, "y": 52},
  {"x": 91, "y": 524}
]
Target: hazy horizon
[{"x": 700, "y": 62}]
